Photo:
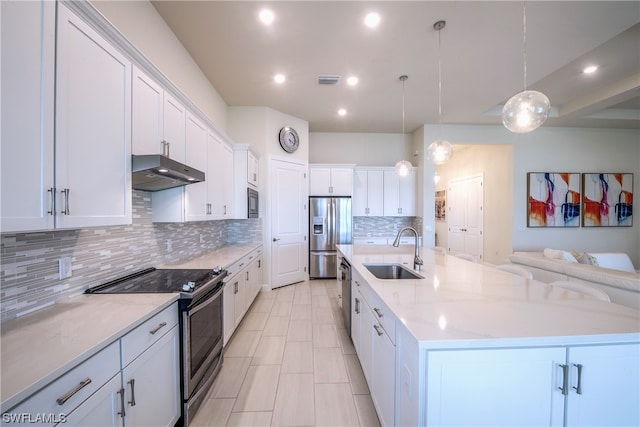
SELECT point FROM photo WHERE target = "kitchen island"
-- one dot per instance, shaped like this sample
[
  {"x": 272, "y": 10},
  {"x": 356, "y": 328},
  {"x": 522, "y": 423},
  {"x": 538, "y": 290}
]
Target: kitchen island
[{"x": 468, "y": 344}]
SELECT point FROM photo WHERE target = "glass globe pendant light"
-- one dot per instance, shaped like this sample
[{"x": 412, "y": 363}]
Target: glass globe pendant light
[
  {"x": 527, "y": 110},
  {"x": 403, "y": 166},
  {"x": 439, "y": 151}
]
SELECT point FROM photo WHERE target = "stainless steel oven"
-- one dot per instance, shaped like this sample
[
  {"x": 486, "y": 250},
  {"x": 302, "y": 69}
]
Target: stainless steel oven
[
  {"x": 200, "y": 308},
  {"x": 202, "y": 333},
  {"x": 253, "y": 209}
]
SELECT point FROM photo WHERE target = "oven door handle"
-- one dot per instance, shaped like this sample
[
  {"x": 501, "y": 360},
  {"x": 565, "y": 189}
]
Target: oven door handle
[{"x": 196, "y": 305}]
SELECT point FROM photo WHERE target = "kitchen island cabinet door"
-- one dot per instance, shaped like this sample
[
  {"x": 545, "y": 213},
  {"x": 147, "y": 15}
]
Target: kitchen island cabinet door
[
  {"x": 606, "y": 389},
  {"x": 152, "y": 386},
  {"x": 93, "y": 127},
  {"x": 495, "y": 387},
  {"x": 28, "y": 59}
]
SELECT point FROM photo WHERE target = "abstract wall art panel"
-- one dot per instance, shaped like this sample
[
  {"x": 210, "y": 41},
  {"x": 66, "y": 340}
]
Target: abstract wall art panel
[
  {"x": 607, "y": 199},
  {"x": 553, "y": 199}
]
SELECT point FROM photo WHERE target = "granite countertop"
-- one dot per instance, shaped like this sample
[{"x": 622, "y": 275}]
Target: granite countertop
[
  {"x": 461, "y": 304},
  {"x": 39, "y": 347}
]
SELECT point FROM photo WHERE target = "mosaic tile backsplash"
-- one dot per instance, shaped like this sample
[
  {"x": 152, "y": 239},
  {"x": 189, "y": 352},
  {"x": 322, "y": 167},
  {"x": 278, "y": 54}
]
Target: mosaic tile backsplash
[
  {"x": 379, "y": 226},
  {"x": 29, "y": 264}
]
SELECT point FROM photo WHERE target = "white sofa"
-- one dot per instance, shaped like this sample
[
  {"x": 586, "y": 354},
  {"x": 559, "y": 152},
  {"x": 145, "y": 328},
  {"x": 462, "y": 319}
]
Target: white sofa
[{"x": 623, "y": 287}]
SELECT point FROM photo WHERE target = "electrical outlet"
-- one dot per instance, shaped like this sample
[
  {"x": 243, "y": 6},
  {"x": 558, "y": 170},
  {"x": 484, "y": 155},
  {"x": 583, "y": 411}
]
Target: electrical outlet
[
  {"x": 64, "y": 267},
  {"x": 169, "y": 245}
]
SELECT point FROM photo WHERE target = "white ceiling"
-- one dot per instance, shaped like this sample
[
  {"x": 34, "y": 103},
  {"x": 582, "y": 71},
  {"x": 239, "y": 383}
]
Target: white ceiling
[{"x": 481, "y": 59}]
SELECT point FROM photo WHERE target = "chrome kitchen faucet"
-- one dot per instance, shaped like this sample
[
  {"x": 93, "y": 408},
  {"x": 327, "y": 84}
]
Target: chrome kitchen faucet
[{"x": 417, "y": 261}]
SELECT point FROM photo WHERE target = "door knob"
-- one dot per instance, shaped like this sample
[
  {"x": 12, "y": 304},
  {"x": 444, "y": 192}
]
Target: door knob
[{"x": 275, "y": 239}]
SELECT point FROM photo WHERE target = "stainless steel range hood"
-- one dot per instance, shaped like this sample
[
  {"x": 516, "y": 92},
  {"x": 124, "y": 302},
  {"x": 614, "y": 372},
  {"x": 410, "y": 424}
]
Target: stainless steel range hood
[{"x": 154, "y": 172}]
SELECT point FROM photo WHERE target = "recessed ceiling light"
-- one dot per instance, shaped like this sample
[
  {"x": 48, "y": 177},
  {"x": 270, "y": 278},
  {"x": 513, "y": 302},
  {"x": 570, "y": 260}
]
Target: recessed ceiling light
[
  {"x": 352, "y": 81},
  {"x": 266, "y": 16},
  {"x": 342, "y": 112},
  {"x": 279, "y": 78},
  {"x": 372, "y": 19},
  {"x": 590, "y": 69}
]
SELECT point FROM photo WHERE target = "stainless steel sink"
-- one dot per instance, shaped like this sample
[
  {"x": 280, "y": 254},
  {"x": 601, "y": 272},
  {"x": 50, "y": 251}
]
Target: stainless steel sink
[{"x": 392, "y": 271}]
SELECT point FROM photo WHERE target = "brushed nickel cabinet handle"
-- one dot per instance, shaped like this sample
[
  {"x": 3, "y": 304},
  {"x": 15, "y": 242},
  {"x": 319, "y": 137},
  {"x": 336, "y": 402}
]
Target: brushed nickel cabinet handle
[
  {"x": 66, "y": 202},
  {"x": 378, "y": 312},
  {"x": 578, "y": 387},
  {"x": 157, "y": 328},
  {"x": 52, "y": 195},
  {"x": 132, "y": 382},
  {"x": 68, "y": 395},
  {"x": 378, "y": 330},
  {"x": 122, "y": 413},
  {"x": 565, "y": 380}
]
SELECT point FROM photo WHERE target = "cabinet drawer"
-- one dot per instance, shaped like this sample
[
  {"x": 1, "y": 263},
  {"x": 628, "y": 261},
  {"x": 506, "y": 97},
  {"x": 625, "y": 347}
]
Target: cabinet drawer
[
  {"x": 383, "y": 315},
  {"x": 142, "y": 337},
  {"x": 67, "y": 392}
]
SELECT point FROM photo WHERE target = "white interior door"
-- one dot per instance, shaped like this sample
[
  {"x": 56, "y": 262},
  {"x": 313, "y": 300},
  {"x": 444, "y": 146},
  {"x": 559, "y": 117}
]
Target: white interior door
[
  {"x": 466, "y": 215},
  {"x": 289, "y": 222}
]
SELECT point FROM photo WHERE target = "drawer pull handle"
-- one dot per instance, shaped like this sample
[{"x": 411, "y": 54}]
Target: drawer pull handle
[
  {"x": 132, "y": 402},
  {"x": 160, "y": 326},
  {"x": 122, "y": 413},
  {"x": 378, "y": 330},
  {"x": 63, "y": 399},
  {"x": 378, "y": 312}
]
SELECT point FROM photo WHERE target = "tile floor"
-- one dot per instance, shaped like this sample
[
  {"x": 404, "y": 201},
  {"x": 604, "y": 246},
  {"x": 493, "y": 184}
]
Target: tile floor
[{"x": 290, "y": 363}]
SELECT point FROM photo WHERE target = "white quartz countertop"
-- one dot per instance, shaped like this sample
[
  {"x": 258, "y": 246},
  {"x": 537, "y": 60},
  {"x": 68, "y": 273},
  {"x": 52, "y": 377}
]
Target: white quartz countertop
[
  {"x": 460, "y": 303},
  {"x": 41, "y": 346},
  {"x": 222, "y": 257}
]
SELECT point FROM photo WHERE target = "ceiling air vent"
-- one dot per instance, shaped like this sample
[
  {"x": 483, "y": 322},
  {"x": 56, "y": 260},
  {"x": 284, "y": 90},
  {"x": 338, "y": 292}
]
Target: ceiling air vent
[{"x": 328, "y": 80}]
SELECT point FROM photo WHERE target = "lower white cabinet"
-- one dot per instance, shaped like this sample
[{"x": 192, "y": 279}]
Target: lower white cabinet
[
  {"x": 152, "y": 384},
  {"x": 373, "y": 332},
  {"x": 134, "y": 381},
  {"x": 240, "y": 290},
  {"x": 594, "y": 385}
]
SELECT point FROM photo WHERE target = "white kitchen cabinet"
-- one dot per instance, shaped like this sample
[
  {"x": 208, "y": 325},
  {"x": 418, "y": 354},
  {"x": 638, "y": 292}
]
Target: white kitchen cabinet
[
  {"x": 28, "y": 62},
  {"x": 528, "y": 386},
  {"x": 197, "y": 197},
  {"x": 498, "y": 387},
  {"x": 71, "y": 390},
  {"x": 220, "y": 185},
  {"x": 91, "y": 156},
  {"x": 373, "y": 335},
  {"x": 101, "y": 409},
  {"x": 609, "y": 381},
  {"x": 330, "y": 181},
  {"x": 152, "y": 384},
  {"x": 159, "y": 120},
  {"x": 93, "y": 127},
  {"x": 368, "y": 192},
  {"x": 245, "y": 173},
  {"x": 399, "y": 193},
  {"x": 240, "y": 290}
]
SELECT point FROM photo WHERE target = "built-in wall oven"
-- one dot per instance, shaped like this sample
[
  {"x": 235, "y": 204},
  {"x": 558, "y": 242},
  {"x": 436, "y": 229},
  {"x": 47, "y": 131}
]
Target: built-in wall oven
[
  {"x": 253, "y": 210},
  {"x": 201, "y": 329}
]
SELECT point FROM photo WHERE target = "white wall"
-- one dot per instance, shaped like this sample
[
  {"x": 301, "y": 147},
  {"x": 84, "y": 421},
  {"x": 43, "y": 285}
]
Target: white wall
[
  {"x": 362, "y": 149},
  {"x": 577, "y": 150},
  {"x": 141, "y": 24},
  {"x": 556, "y": 150}
]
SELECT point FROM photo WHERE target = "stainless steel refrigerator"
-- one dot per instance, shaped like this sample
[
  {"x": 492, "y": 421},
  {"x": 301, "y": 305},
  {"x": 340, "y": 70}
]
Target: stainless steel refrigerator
[{"x": 330, "y": 225}]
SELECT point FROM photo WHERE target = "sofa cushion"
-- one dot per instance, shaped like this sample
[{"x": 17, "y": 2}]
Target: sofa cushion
[
  {"x": 584, "y": 258},
  {"x": 559, "y": 254},
  {"x": 606, "y": 276},
  {"x": 614, "y": 261},
  {"x": 538, "y": 260}
]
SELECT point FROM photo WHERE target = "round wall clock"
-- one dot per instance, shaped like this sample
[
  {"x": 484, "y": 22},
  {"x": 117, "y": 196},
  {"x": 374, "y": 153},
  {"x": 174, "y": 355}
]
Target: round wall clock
[{"x": 289, "y": 140}]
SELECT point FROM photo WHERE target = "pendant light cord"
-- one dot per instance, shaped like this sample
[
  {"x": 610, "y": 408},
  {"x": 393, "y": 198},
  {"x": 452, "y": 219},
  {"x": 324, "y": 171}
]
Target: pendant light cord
[
  {"x": 403, "y": 78},
  {"x": 524, "y": 40},
  {"x": 439, "y": 81}
]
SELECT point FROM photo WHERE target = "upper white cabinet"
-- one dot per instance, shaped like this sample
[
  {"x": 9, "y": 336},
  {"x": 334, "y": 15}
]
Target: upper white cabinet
[
  {"x": 399, "y": 193},
  {"x": 197, "y": 196},
  {"x": 368, "y": 192},
  {"x": 246, "y": 175},
  {"x": 219, "y": 178},
  {"x": 159, "y": 120},
  {"x": 330, "y": 181},
  {"x": 93, "y": 128},
  {"x": 28, "y": 36}
]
